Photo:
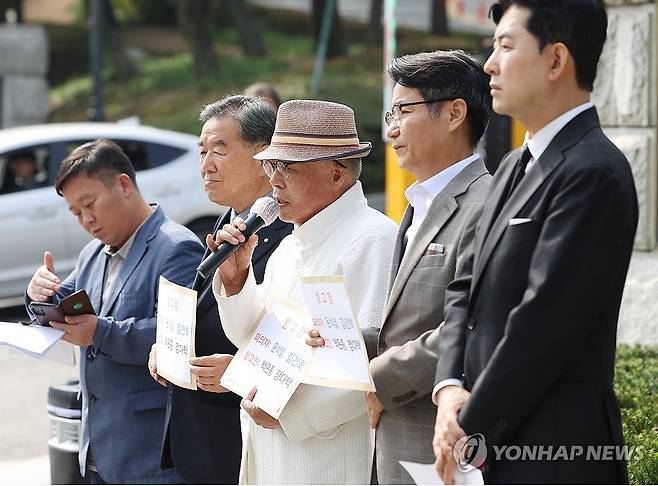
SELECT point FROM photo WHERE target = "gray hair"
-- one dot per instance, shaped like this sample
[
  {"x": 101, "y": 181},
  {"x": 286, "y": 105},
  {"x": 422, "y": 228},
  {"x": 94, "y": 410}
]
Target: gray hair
[
  {"x": 353, "y": 166},
  {"x": 255, "y": 118}
]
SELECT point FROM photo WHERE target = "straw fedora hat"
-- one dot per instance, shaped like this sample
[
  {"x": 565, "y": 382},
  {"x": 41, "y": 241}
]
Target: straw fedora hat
[{"x": 310, "y": 130}]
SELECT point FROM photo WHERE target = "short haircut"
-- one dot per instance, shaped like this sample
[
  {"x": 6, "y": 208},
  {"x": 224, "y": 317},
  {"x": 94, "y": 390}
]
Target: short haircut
[
  {"x": 102, "y": 159},
  {"x": 447, "y": 75},
  {"x": 353, "y": 166},
  {"x": 581, "y": 25},
  {"x": 255, "y": 118}
]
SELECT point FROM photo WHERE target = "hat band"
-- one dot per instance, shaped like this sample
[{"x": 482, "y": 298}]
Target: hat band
[{"x": 314, "y": 141}]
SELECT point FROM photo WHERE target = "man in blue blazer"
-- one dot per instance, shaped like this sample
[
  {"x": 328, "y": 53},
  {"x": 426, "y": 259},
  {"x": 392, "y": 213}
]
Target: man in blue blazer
[
  {"x": 135, "y": 243},
  {"x": 202, "y": 437}
]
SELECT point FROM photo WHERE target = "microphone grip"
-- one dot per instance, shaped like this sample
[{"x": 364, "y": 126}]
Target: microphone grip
[{"x": 208, "y": 266}]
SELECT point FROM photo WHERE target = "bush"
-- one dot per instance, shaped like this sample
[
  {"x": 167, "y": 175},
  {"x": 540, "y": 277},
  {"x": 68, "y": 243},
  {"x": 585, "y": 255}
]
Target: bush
[{"x": 636, "y": 385}]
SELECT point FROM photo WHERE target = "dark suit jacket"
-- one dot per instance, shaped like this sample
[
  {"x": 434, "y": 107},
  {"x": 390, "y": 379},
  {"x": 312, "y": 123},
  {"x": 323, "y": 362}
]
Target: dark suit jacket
[
  {"x": 531, "y": 321},
  {"x": 202, "y": 429}
]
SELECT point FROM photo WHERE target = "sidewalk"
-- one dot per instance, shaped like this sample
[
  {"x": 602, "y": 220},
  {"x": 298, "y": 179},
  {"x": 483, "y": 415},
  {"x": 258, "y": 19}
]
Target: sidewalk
[{"x": 35, "y": 470}]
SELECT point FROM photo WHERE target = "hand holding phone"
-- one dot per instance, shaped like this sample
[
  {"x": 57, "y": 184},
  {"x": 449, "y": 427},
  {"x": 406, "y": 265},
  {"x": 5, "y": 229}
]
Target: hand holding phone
[{"x": 76, "y": 304}]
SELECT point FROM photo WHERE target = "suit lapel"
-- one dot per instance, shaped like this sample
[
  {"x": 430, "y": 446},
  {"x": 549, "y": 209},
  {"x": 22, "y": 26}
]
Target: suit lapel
[
  {"x": 491, "y": 208},
  {"x": 95, "y": 291},
  {"x": 139, "y": 247},
  {"x": 442, "y": 208},
  {"x": 538, "y": 173},
  {"x": 439, "y": 212},
  {"x": 127, "y": 268},
  {"x": 199, "y": 281}
]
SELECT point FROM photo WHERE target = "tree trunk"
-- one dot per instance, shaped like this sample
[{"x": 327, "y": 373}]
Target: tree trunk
[
  {"x": 337, "y": 46},
  {"x": 250, "y": 38},
  {"x": 192, "y": 22},
  {"x": 124, "y": 67},
  {"x": 439, "y": 18},
  {"x": 375, "y": 33}
]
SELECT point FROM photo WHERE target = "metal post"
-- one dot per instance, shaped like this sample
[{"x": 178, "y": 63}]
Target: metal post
[
  {"x": 323, "y": 46},
  {"x": 96, "y": 110},
  {"x": 396, "y": 179}
]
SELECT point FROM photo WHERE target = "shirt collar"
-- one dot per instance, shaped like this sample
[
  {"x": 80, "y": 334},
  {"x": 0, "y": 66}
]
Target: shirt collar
[
  {"x": 322, "y": 224},
  {"x": 421, "y": 194},
  {"x": 542, "y": 139}
]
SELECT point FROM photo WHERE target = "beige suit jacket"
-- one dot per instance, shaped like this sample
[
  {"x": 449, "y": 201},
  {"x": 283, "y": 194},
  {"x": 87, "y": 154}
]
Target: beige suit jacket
[{"x": 403, "y": 351}]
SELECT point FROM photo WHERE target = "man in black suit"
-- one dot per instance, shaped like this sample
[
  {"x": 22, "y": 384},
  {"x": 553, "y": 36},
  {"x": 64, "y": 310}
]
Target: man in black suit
[
  {"x": 526, "y": 354},
  {"x": 202, "y": 429}
]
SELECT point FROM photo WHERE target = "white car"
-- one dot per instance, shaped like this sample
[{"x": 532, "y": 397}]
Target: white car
[{"x": 34, "y": 218}]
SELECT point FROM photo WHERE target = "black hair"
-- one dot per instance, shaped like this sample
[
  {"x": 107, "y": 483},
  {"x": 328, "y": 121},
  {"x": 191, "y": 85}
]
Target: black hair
[
  {"x": 448, "y": 74},
  {"x": 581, "y": 25},
  {"x": 101, "y": 158}
]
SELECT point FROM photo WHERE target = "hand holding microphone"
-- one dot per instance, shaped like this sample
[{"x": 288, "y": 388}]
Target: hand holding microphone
[{"x": 234, "y": 245}]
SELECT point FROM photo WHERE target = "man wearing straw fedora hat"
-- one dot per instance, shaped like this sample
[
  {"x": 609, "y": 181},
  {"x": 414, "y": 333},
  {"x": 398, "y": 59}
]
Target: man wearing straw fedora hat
[{"x": 313, "y": 163}]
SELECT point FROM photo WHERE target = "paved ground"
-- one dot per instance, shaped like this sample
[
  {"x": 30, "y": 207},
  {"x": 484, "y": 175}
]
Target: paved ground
[{"x": 24, "y": 428}]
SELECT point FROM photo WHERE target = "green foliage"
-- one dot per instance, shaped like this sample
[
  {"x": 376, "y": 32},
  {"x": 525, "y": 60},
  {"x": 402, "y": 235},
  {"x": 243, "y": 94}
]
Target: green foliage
[{"x": 636, "y": 386}]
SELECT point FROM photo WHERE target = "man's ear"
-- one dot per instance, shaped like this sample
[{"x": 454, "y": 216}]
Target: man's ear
[
  {"x": 126, "y": 184},
  {"x": 457, "y": 114},
  {"x": 560, "y": 58}
]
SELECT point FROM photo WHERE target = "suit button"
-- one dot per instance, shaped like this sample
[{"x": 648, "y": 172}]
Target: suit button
[
  {"x": 470, "y": 324},
  {"x": 382, "y": 346},
  {"x": 92, "y": 398},
  {"x": 90, "y": 357}
]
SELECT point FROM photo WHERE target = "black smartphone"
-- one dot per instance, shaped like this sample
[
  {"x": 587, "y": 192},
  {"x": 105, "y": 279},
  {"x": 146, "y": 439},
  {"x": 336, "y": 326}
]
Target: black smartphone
[
  {"x": 45, "y": 312},
  {"x": 76, "y": 304}
]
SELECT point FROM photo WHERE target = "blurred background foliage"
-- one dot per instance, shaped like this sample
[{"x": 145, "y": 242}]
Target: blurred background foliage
[{"x": 168, "y": 88}]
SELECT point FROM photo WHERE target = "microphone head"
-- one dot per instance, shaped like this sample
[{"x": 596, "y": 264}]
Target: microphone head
[{"x": 266, "y": 209}]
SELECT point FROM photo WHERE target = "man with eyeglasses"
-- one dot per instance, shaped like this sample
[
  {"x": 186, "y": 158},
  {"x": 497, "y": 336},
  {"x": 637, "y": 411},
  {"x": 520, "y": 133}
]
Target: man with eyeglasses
[
  {"x": 313, "y": 163},
  {"x": 440, "y": 110}
]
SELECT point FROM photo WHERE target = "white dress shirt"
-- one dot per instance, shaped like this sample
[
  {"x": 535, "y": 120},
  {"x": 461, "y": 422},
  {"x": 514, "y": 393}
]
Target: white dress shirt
[
  {"x": 537, "y": 145},
  {"x": 421, "y": 194}
]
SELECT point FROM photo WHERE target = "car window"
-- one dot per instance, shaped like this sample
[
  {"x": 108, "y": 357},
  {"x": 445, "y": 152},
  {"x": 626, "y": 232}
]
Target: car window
[
  {"x": 24, "y": 169},
  {"x": 143, "y": 155}
]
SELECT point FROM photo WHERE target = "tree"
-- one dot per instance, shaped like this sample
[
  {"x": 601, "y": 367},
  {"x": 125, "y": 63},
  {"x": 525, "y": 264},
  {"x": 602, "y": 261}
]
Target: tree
[
  {"x": 337, "y": 46},
  {"x": 124, "y": 67},
  {"x": 192, "y": 20},
  {"x": 250, "y": 39},
  {"x": 439, "y": 17},
  {"x": 375, "y": 32}
]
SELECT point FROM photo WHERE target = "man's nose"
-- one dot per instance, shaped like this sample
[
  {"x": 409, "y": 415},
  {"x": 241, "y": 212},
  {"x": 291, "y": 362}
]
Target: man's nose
[
  {"x": 393, "y": 130},
  {"x": 490, "y": 65}
]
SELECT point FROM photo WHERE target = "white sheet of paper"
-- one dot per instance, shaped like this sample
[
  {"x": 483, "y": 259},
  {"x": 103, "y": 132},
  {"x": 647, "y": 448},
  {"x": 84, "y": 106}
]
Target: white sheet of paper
[
  {"x": 343, "y": 361},
  {"x": 426, "y": 474},
  {"x": 273, "y": 360},
  {"x": 33, "y": 340},
  {"x": 175, "y": 333}
]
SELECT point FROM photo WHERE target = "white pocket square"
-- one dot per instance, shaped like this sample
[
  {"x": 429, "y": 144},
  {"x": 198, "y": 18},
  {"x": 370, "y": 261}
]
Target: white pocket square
[
  {"x": 515, "y": 221},
  {"x": 434, "y": 249}
]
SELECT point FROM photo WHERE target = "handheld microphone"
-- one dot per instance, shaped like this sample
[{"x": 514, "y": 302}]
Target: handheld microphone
[{"x": 263, "y": 212}]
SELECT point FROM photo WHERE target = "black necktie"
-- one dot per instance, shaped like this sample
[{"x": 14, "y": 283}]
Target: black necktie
[{"x": 519, "y": 171}]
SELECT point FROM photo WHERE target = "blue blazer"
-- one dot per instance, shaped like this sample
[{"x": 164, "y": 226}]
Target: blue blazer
[{"x": 123, "y": 407}]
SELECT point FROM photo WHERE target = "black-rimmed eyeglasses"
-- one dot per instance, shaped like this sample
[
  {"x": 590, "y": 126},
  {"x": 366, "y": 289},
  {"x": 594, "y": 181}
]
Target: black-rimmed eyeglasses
[{"x": 396, "y": 114}]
